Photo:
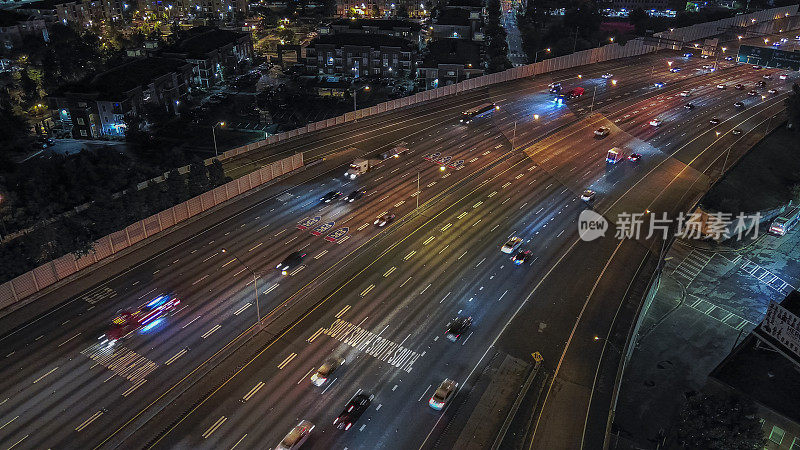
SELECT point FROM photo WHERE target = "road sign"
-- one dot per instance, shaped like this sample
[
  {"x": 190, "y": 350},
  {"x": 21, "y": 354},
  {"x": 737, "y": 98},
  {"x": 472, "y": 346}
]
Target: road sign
[
  {"x": 537, "y": 356},
  {"x": 308, "y": 222},
  {"x": 336, "y": 235},
  {"x": 322, "y": 228}
]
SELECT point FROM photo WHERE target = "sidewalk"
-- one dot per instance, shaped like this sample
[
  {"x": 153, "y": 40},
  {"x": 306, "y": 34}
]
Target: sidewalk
[{"x": 706, "y": 301}]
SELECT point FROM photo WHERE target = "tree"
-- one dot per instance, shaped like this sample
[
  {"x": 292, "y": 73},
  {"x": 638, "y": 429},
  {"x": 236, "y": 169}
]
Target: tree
[
  {"x": 639, "y": 18},
  {"x": 401, "y": 11},
  {"x": 329, "y": 7},
  {"x": 216, "y": 174},
  {"x": 197, "y": 181},
  {"x": 712, "y": 422},
  {"x": 176, "y": 187},
  {"x": 793, "y": 106}
]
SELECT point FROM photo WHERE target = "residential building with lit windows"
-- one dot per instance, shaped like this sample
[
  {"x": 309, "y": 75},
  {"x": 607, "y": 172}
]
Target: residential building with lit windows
[
  {"x": 213, "y": 53},
  {"x": 380, "y": 8},
  {"x": 765, "y": 367},
  {"x": 458, "y": 23},
  {"x": 97, "y": 107},
  {"x": 448, "y": 61},
  {"x": 402, "y": 28},
  {"x": 356, "y": 55}
]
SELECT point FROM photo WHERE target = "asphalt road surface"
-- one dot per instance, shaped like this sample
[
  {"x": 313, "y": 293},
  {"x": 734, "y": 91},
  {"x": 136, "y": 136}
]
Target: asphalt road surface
[{"x": 380, "y": 297}]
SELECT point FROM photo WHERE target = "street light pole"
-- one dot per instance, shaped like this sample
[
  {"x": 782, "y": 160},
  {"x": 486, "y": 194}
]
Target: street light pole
[
  {"x": 214, "y": 135},
  {"x": 418, "y": 193},
  {"x": 255, "y": 281},
  {"x": 514, "y": 138},
  {"x": 594, "y": 93}
]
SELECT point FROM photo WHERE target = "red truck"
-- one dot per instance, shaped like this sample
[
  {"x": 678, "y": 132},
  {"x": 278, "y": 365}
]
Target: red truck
[{"x": 572, "y": 93}]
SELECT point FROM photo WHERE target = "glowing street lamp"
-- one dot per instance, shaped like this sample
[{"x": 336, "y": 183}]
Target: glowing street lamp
[{"x": 214, "y": 134}]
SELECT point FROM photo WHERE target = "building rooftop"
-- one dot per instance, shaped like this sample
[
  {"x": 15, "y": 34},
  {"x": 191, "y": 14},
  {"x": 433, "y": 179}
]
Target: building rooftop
[
  {"x": 114, "y": 83},
  {"x": 43, "y": 4},
  {"x": 453, "y": 51},
  {"x": 203, "y": 40},
  {"x": 10, "y": 18},
  {"x": 465, "y": 4},
  {"x": 375, "y": 40},
  {"x": 764, "y": 375},
  {"x": 453, "y": 16},
  {"x": 381, "y": 24}
]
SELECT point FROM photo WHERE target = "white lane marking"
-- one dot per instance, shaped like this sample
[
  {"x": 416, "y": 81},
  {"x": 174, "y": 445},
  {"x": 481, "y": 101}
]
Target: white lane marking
[
  {"x": 256, "y": 246},
  {"x": 389, "y": 272},
  {"x": 253, "y": 391},
  {"x": 305, "y": 376},
  {"x": 229, "y": 262},
  {"x": 211, "y": 331},
  {"x": 73, "y": 337},
  {"x": 426, "y": 288},
  {"x": 214, "y": 427},
  {"x": 444, "y": 228},
  {"x": 239, "y": 442},
  {"x": 423, "y": 392},
  {"x": 404, "y": 282},
  {"x": 192, "y": 321},
  {"x": 462, "y": 255},
  {"x": 428, "y": 241},
  {"x": 366, "y": 291},
  {"x": 271, "y": 288},
  {"x": 504, "y": 294},
  {"x": 363, "y": 226},
  {"x": 135, "y": 386},
  {"x": 215, "y": 254},
  {"x": 408, "y": 256},
  {"x": 239, "y": 311},
  {"x": 343, "y": 310},
  {"x": 329, "y": 385},
  {"x": 287, "y": 360},
  {"x": 201, "y": 279},
  {"x": 321, "y": 254},
  {"x": 481, "y": 262},
  {"x": 448, "y": 294},
  {"x": 88, "y": 421},
  {"x": 174, "y": 357},
  {"x": 42, "y": 377}
]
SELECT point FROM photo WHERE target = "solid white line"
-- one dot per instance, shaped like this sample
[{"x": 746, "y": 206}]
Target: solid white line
[
  {"x": 448, "y": 294},
  {"x": 239, "y": 441},
  {"x": 41, "y": 377},
  {"x": 73, "y": 337},
  {"x": 423, "y": 392}
]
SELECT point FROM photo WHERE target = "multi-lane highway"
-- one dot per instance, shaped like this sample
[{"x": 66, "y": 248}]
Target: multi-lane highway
[{"x": 207, "y": 376}]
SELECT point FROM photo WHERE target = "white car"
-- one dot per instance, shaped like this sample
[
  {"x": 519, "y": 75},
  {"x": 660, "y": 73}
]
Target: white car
[
  {"x": 607, "y": 75},
  {"x": 511, "y": 245},
  {"x": 767, "y": 76},
  {"x": 296, "y": 437},
  {"x": 602, "y": 131},
  {"x": 704, "y": 56},
  {"x": 772, "y": 91},
  {"x": 587, "y": 195},
  {"x": 655, "y": 122},
  {"x": 721, "y": 86},
  {"x": 782, "y": 76},
  {"x": 685, "y": 93}
]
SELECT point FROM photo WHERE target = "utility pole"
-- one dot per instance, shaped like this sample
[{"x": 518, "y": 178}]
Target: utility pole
[
  {"x": 592, "y": 105},
  {"x": 514, "y": 138},
  {"x": 418, "y": 193}
]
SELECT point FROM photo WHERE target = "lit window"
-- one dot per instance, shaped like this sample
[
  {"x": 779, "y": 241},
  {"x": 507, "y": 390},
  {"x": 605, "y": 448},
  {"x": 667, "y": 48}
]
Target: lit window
[{"x": 776, "y": 435}]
